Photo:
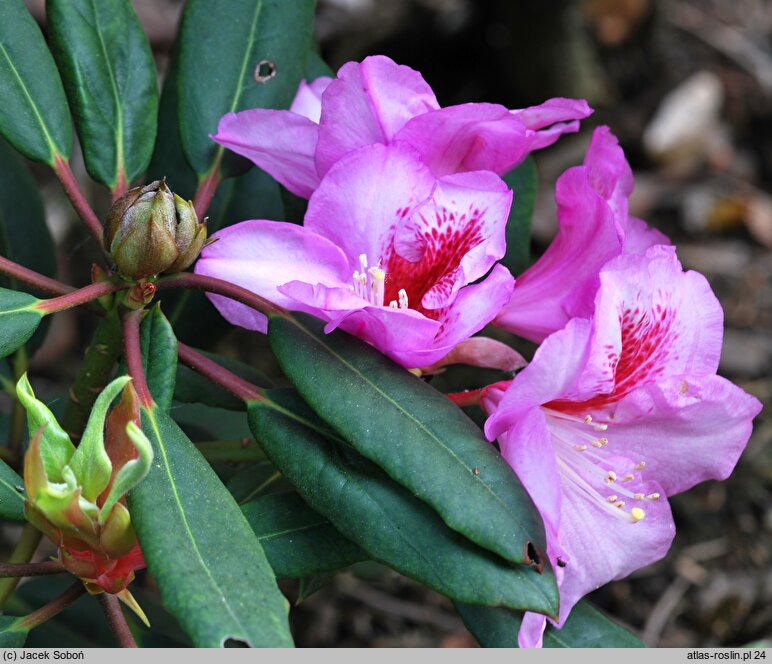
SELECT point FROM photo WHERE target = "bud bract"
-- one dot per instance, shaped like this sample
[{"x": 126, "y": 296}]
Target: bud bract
[
  {"x": 77, "y": 496},
  {"x": 150, "y": 230}
]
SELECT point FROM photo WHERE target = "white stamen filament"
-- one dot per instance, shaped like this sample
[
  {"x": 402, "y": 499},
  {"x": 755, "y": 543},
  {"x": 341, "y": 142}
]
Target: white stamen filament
[
  {"x": 370, "y": 283},
  {"x": 402, "y": 298}
]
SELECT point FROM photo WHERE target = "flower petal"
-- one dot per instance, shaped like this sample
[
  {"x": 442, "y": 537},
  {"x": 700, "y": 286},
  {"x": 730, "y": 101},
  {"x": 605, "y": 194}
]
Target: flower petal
[
  {"x": 282, "y": 143},
  {"x": 480, "y": 352},
  {"x": 369, "y": 102},
  {"x": 365, "y": 195},
  {"x": 686, "y": 429},
  {"x": 562, "y": 114},
  {"x": 544, "y": 299},
  {"x": 262, "y": 255},
  {"x": 639, "y": 236},
  {"x": 308, "y": 98}
]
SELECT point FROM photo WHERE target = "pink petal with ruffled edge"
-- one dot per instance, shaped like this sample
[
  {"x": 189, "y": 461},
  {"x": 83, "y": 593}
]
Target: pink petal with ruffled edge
[
  {"x": 262, "y": 255},
  {"x": 481, "y": 352},
  {"x": 308, "y": 98},
  {"x": 563, "y": 282},
  {"x": 550, "y": 120},
  {"x": 365, "y": 196},
  {"x": 369, "y": 102},
  {"x": 282, "y": 143}
]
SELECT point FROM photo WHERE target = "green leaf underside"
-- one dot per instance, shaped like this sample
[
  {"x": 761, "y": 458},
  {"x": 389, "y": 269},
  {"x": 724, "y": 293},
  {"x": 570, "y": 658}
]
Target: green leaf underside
[
  {"x": 12, "y": 494},
  {"x": 11, "y": 635},
  {"x": 298, "y": 541},
  {"x": 523, "y": 181},
  {"x": 159, "y": 356},
  {"x": 411, "y": 431},
  {"x": 34, "y": 116},
  {"x": 18, "y": 320},
  {"x": 586, "y": 627},
  {"x": 110, "y": 78},
  {"x": 222, "y": 43},
  {"x": 211, "y": 571},
  {"x": 256, "y": 480},
  {"x": 385, "y": 519}
]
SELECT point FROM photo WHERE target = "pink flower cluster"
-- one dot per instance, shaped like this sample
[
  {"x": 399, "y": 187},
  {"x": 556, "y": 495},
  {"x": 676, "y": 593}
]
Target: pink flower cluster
[{"x": 620, "y": 406}]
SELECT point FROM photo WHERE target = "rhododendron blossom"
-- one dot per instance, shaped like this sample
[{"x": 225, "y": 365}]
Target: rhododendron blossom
[
  {"x": 614, "y": 414},
  {"x": 387, "y": 252},
  {"x": 380, "y": 102},
  {"x": 594, "y": 227}
]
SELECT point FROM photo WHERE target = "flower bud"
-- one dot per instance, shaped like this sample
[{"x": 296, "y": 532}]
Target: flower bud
[{"x": 150, "y": 230}]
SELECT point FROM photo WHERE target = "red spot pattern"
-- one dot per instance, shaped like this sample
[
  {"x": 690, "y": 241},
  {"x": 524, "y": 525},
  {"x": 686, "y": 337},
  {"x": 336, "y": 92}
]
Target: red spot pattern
[
  {"x": 647, "y": 345},
  {"x": 446, "y": 241}
]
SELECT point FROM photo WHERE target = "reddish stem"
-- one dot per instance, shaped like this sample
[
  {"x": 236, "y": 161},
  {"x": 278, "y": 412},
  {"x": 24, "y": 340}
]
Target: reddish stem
[
  {"x": 48, "y": 611},
  {"x": 34, "y": 279},
  {"x": 80, "y": 296},
  {"x": 133, "y": 354},
  {"x": 11, "y": 570},
  {"x": 112, "y": 608},
  {"x": 472, "y": 397},
  {"x": 206, "y": 190},
  {"x": 220, "y": 287},
  {"x": 236, "y": 385},
  {"x": 78, "y": 200},
  {"x": 121, "y": 186}
]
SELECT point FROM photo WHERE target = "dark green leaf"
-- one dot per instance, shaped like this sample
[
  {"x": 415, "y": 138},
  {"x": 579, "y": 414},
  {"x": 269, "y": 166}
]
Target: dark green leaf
[
  {"x": 256, "y": 480},
  {"x": 159, "y": 356},
  {"x": 586, "y": 627},
  {"x": 110, "y": 78},
  {"x": 223, "y": 42},
  {"x": 523, "y": 182},
  {"x": 203, "y": 423},
  {"x": 11, "y": 635},
  {"x": 385, "y": 519},
  {"x": 211, "y": 571},
  {"x": 33, "y": 115},
  {"x": 413, "y": 432},
  {"x": 18, "y": 319},
  {"x": 298, "y": 541},
  {"x": 192, "y": 387},
  {"x": 11, "y": 494}
]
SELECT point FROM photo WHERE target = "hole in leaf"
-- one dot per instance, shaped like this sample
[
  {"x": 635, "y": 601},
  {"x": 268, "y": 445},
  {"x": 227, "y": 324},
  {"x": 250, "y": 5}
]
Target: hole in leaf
[
  {"x": 264, "y": 71},
  {"x": 234, "y": 643},
  {"x": 533, "y": 557}
]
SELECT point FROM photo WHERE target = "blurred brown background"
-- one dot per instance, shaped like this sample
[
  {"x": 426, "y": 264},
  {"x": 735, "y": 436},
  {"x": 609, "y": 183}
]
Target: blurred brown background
[{"x": 687, "y": 87}]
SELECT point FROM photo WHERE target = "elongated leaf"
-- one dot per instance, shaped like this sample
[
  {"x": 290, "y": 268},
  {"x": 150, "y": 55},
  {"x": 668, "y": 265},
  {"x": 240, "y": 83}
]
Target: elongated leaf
[
  {"x": 33, "y": 116},
  {"x": 223, "y": 44},
  {"x": 256, "y": 480},
  {"x": 110, "y": 79},
  {"x": 18, "y": 319},
  {"x": 159, "y": 356},
  {"x": 298, "y": 541},
  {"x": 523, "y": 182},
  {"x": 11, "y": 635},
  {"x": 12, "y": 494},
  {"x": 385, "y": 519},
  {"x": 586, "y": 627},
  {"x": 210, "y": 568},
  {"x": 413, "y": 432}
]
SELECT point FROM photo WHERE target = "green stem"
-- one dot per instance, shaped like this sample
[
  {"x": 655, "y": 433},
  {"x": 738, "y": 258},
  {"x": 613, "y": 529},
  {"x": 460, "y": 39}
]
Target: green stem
[
  {"x": 244, "y": 449},
  {"x": 94, "y": 374},
  {"x": 48, "y": 611},
  {"x": 25, "y": 549}
]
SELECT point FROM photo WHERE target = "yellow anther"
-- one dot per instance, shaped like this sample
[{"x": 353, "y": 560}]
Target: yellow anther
[
  {"x": 612, "y": 499},
  {"x": 639, "y": 496},
  {"x": 580, "y": 448},
  {"x": 620, "y": 504},
  {"x": 641, "y": 465},
  {"x": 652, "y": 496},
  {"x": 600, "y": 427},
  {"x": 611, "y": 477},
  {"x": 638, "y": 514},
  {"x": 629, "y": 477}
]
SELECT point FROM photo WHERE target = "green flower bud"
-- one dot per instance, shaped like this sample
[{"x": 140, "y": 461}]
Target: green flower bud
[{"x": 150, "y": 230}]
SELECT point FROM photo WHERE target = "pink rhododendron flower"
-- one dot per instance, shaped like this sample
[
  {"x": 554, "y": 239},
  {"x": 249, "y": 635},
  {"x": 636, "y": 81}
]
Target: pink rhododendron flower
[
  {"x": 388, "y": 253},
  {"x": 380, "y": 102},
  {"x": 594, "y": 227},
  {"x": 614, "y": 414}
]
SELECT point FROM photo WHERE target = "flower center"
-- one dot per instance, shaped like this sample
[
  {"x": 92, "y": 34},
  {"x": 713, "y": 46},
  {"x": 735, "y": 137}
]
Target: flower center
[
  {"x": 370, "y": 284},
  {"x": 584, "y": 460}
]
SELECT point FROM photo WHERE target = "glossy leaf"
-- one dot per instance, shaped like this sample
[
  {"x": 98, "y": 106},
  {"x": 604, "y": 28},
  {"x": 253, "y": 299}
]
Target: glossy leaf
[
  {"x": 523, "y": 181},
  {"x": 11, "y": 635},
  {"x": 586, "y": 627},
  {"x": 210, "y": 569},
  {"x": 33, "y": 116},
  {"x": 159, "y": 356},
  {"x": 12, "y": 494},
  {"x": 110, "y": 79},
  {"x": 413, "y": 432},
  {"x": 223, "y": 44},
  {"x": 298, "y": 541},
  {"x": 385, "y": 519},
  {"x": 256, "y": 480},
  {"x": 18, "y": 319}
]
